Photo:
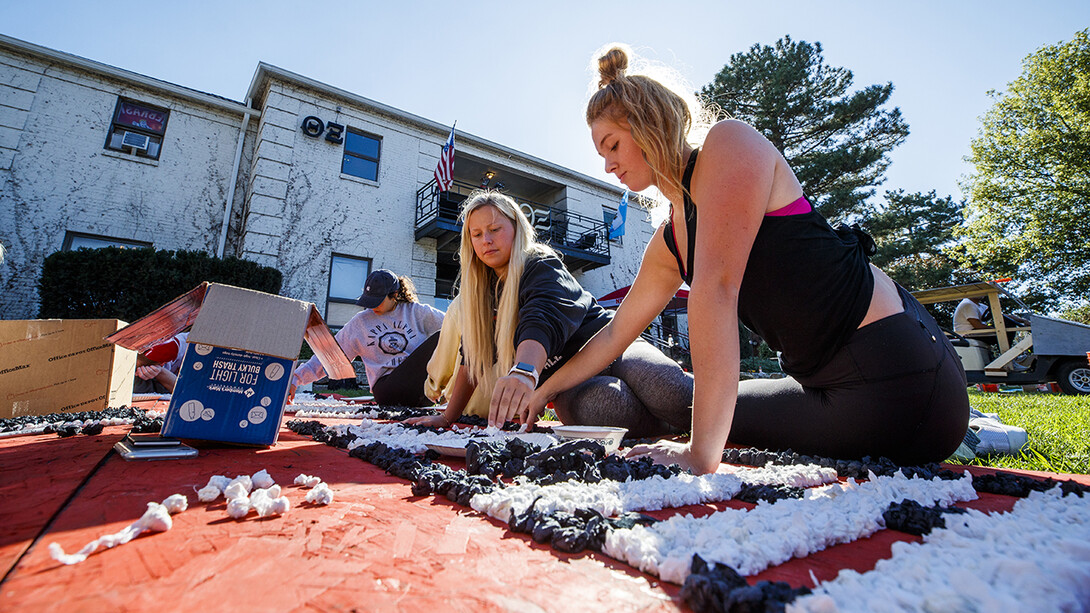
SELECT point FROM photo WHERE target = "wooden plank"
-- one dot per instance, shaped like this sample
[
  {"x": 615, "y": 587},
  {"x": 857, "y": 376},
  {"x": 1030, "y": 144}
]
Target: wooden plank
[{"x": 956, "y": 292}]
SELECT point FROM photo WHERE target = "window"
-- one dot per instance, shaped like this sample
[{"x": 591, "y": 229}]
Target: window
[
  {"x": 346, "y": 277},
  {"x": 361, "y": 153},
  {"x": 137, "y": 128},
  {"x": 78, "y": 240}
]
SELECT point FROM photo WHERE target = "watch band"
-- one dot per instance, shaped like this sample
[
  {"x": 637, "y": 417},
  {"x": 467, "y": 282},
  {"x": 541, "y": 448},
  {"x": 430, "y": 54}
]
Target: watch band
[{"x": 524, "y": 368}]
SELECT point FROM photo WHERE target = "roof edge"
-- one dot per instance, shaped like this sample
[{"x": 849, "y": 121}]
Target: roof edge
[
  {"x": 266, "y": 71},
  {"x": 120, "y": 73}
]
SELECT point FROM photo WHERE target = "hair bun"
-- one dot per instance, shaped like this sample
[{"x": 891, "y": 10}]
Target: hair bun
[{"x": 611, "y": 66}]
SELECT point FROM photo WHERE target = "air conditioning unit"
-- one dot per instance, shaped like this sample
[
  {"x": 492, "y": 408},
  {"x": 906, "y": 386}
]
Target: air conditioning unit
[{"x": 134, "y": 140}]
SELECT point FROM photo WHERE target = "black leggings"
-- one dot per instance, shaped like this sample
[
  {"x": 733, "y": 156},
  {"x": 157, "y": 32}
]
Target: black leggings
[
  {"x": 896, "y": 389},
  {"x": 643, "y": 390},
  {"x": 404, "y": 385}
]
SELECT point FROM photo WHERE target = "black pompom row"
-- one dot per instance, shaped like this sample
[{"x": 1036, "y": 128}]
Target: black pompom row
[
  {"x": 718, "y": 588},
  {"x": 485, "y": 460},
  {"x": 858, "y": 469},
  {"x": 913, "y": 518},
  {"x": 572, "y": 532},
  {"x": 60, "y": 423}
]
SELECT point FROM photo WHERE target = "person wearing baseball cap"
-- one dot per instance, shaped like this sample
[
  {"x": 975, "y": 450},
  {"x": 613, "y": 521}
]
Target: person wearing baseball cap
[
  {"x": 394, "y": 336},
  {"x": 380, "y": 285}
]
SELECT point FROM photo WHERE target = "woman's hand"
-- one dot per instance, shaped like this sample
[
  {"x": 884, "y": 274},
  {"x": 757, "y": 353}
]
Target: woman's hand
[
  {"x": 431, "y": 421},
  {"x": 510, "y": 397},
  {"x": 669, "y": 452},
  {"x": 533, "y": 409},
  {"x": 148, "y": 373}
]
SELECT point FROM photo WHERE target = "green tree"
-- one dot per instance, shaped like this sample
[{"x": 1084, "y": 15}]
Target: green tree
[
  {"x": 1080, "y": 314},
  {"x": 835, "y": 140},
  {"x": 1029, "y": 198},
  {"x": 914, "y": 233}
]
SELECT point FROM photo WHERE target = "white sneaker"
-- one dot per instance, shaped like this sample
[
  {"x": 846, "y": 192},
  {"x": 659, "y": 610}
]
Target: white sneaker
[
  {"x": 975, "y": 413},
  {"x": 966, "y": 451},
  {"x": 997, "y": 437}
]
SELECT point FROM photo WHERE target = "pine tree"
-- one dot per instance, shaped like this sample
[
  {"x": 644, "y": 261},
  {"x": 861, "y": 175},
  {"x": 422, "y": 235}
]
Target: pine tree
[
  {"x": 914, "y": 234},
  {"x": 835, "y": 140}
]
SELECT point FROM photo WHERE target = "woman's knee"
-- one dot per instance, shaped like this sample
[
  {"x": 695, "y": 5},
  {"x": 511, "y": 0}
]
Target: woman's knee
[
  {"x": 642, "y": 357},
  {"x": 608, "y": 401},
  {"x": 654, "y": 378},
  {"x": 593, "y": 400},
  {"x": 594, "y": 395}
]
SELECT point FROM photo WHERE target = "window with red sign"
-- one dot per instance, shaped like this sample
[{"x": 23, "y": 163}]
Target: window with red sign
[{"x": 137, "y": 128}]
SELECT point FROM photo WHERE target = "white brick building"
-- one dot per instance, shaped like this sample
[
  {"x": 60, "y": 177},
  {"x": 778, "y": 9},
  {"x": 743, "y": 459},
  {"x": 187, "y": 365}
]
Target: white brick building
[{"x": 321, "y": 183}]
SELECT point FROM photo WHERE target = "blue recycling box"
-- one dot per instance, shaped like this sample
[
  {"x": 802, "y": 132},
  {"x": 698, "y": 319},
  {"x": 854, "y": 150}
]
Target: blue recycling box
[
  {"x": 242, "y": 349},
  {"x": 229, "y": 395}
]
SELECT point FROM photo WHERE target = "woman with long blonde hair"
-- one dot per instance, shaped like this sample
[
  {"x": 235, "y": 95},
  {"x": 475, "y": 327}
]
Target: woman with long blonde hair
[
  {"x": 871, "y": 372},
  {"x": 524, "y": 316}
]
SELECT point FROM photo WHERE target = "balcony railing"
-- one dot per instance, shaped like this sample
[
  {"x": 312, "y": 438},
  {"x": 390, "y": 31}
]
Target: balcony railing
[
  {"x": 673, "y": 343},
  {"x": 582, "y": 240}
]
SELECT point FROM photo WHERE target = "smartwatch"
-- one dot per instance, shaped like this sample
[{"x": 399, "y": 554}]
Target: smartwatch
[{"x": 525, "y": 368}]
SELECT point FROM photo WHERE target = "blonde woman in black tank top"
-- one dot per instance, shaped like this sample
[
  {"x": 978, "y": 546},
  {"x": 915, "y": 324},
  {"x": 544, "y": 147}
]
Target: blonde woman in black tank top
[{"x": 871, "y": 374}]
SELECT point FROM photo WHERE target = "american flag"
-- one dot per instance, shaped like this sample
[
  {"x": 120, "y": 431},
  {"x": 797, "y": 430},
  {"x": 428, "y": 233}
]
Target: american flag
[{"x": 444, "y": 172}]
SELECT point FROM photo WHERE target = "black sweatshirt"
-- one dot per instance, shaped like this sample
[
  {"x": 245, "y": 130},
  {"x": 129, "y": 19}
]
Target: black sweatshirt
[{"x": 556, "y": 311}]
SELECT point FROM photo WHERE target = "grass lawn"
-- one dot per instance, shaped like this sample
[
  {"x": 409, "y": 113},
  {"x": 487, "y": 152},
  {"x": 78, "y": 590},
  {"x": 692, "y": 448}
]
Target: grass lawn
[
  {"x": 1058, "y": 427},
  {"x": 363, "y": 391}
]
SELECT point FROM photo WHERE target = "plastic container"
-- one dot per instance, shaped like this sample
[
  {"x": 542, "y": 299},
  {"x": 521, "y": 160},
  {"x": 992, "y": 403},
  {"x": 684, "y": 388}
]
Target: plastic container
[{"x": 608, "y": 436}]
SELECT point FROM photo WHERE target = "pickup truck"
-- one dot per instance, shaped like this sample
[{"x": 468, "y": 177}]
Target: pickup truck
[{"x": 1056, "y": 349}]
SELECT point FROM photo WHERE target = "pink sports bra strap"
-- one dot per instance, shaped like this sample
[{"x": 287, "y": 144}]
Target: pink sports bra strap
[{"x": 798, "y": 207}]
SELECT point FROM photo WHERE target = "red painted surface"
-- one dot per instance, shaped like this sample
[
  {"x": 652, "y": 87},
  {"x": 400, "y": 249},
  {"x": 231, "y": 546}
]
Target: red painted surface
[{"x": 375, "y": 548}]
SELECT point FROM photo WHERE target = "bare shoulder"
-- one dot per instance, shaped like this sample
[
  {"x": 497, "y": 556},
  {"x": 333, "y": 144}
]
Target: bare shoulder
[
  {"x": 736, "y": 167},
  {"x": 732, "y": 137},
  {"x": 732, "y": 127}
]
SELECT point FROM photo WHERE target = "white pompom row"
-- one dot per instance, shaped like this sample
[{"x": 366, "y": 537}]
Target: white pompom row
[
  {"x": 612, "y": 498},
  {"x": 397, "y": 436},
  {"x": 1034, "y": 558},
  {"x": 770, "y": 534}
]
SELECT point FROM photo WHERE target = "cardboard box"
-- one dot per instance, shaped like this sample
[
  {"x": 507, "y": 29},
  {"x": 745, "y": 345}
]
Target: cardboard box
[
  {"x": 62, "y": 366},
  {"x": 242, "y": 350}
]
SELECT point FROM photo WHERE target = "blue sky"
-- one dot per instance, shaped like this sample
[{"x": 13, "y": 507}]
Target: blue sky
[{"x": 517, "y": 72}]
